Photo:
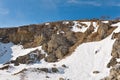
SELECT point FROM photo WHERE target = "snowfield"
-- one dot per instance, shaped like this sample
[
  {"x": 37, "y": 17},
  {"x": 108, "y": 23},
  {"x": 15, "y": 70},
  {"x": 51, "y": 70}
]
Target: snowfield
[{"x": 81, "y": 64}]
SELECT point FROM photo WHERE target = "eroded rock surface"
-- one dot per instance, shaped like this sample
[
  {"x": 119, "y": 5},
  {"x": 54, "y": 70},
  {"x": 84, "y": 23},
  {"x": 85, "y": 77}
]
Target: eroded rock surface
[
  {"x": 56, "y": 38},
  {"x": 114, "y": 64}
]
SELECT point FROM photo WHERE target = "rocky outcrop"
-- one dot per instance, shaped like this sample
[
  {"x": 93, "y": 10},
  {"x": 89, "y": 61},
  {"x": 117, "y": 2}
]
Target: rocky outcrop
[
  {"x": 56, "y": 38},
  {"x": 32, "y": 57},
  {"x": 113, "y": 63},
  {"x": 51, "y": 58},
  {"x": 116, "y": 46},
  {"x": 114, "y": 73},
  {"x": 39, "y": 70}
]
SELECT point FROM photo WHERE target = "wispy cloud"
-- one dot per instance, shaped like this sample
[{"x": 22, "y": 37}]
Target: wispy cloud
[
  {"x": 92, "y": 3},
  {"x": 117, "y": 4},
  {"x": 3, "y": 11},
  {"x": 95, "y": 3}
]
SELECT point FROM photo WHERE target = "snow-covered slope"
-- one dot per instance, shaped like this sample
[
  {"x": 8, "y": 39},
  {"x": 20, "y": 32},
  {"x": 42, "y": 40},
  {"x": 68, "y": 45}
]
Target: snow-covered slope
[{"x": 88, "y": 62}]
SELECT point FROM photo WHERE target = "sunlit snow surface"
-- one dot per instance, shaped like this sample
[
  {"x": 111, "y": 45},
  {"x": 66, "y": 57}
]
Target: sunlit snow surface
[
  {"x": 86, "y": 58},
  {"x": 82, "y": 29}
]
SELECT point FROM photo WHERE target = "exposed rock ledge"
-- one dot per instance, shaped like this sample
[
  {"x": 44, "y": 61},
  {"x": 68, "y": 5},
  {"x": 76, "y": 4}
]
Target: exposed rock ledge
[{"x": 58, "y": 38}]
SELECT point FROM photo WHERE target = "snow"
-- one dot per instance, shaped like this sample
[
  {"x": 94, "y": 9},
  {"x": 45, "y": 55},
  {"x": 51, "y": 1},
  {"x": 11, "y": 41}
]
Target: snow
[
  {"x": 18, "y": 50},
  {"x": 65, "y": 22},
  {"x": 47, "y": 23},
  {"x": 95, "y": 26},
  {"x": 83, "y": 29},
  {"x": 84, "y": 61},
  {"x": 81, "y": 63},
  {"x": 118, "y": 27},
  {"x": 118, "y": 60},
  {"x": 5, "y": 52},
  {"x": 58, "y": 32},
  {"x": 87, "y": 57},
  {"x": 105, "y": 21},
  {"x": 88, "y": 23}
]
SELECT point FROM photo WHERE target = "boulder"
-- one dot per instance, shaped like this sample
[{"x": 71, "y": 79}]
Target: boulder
[
  {"x": 116, "y": 49},
  {"x": 102, "y": 30},
  {"x": 55, "y": 70},
  {"x": 61, "y": 52},
  {"x": 112, "y": 63},
  {"x": 71, "y": 37},
  {"x": 32, "y": 57},
  {"x": 51, "y": 58}
]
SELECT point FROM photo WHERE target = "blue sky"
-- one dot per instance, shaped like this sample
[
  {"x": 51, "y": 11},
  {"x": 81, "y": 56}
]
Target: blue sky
[{"x": 22, "y": 12}]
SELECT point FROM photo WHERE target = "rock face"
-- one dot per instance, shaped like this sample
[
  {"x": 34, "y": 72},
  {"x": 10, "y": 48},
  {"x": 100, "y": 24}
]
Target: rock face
[
  {"x": 116, "y": 46},
  {"x": 114, "y": 73},
  {"x": 57, "y": 38},
  {"x": 114, "y": 64},
  {"x": 115, "y": 51},
  {"x": 32, "y": 57}
]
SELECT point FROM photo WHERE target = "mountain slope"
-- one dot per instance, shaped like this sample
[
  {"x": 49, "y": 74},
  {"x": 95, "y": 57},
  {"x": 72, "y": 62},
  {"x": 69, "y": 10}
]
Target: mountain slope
[{"x": 87, "y": 57}]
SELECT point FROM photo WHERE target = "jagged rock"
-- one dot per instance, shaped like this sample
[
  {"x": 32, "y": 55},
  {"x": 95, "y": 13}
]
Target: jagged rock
[
  {"x": 89, "y": 30},
  {"x": 55, "y": 70},
  {"x": 71, "y": 37},
  {"x": 64, "y": 66},
  {"x": 61, "y": 52},
  {"x": 5, "y": 67},
  {"x": 56, "y": 41},
  {"x": 114, "y": 73},
  {"x": 116, "y": 49},
  {"x": 96, "y": 72},
  {"x": 21, "y": 36},
  {"x": 51, "y": 58},
  {"x": 47, "y": 77},
  {"x": 44, "y": 70},
  {"x": 116, "y": 35},
  {"x": 102, "y": 30},
  {"x": 112, "y": 62},
  {"x": 45, "y": 47},
  {"x": 58, "y": 45},
  {"x": 61, "y": 78},
  {"x": 32, "y": 57}
]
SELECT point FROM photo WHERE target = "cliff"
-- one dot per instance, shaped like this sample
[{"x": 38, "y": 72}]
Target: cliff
[{"x": 59, "y": 40}]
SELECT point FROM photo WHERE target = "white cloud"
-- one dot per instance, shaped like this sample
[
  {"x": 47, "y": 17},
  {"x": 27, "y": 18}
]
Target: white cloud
[
  {"x": 114, "y": 4},
  {"x": 72, "y": 1},
  {"x": 95, "y": 3},
  {"x": 92, "y": 3},
  {"x": 3, "y": 11}
]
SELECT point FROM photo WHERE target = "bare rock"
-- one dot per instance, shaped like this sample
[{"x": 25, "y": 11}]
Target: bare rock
[
  {"x": 61, "y": 78},
  {"x": 112, "y": 62},
  {"x": 61, "y": 52},
  {"x": 32, "y": 57},
  {"x": 114, "y": 73},
  {"x": 44, "y": 70},
  {"x": 96, "y": 72},
  {"x": 116, "y": 49},
  {"x": 5, "y": 67},
  {"x": 51, "y": 58},
  {"x": 55, "y": 70},
  {"x": 102, "y": 30}
]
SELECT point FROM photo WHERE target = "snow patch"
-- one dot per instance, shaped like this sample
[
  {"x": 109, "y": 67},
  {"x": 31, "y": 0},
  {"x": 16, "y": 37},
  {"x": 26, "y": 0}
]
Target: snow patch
[
  {"x": 82, "y": 29},
  {"x": 18, "y": 50},
  {"x": 47, "y": 23},
  {"x": 105, "y": 21},
  {"x": 95, "y": 26},
  {"x": 118, "y": 27},
  {"x": 65, "y": 22},
  {"x": 5, "y": 52}
]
